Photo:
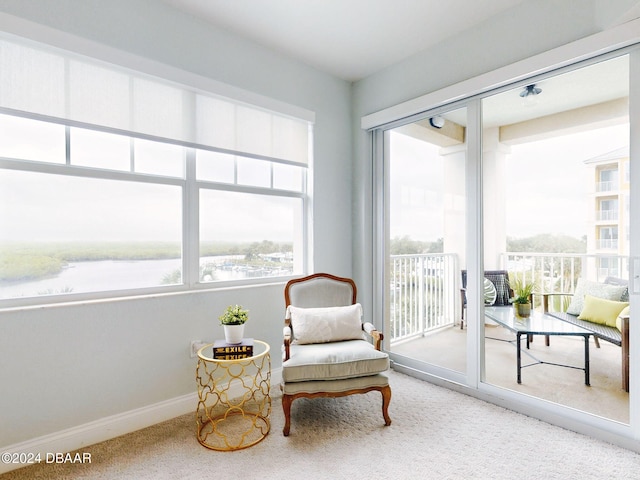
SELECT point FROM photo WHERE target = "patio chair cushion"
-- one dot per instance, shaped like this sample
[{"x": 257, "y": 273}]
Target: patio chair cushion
[
  {"x": 333, "y": 361},
  {"x": 599, "y": 310},
  {"x": 326, "y": 324},
  {"x": 595, "y": 289}
]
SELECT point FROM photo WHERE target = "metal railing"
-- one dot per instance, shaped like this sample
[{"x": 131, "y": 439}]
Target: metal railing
[
  {"x": 607, "y": 186},
  {"x": 559, "y": 272},
  {"x": 423, "y": 293},
  {"x": 425, "y": 289},
  {"x": 607, "y": 215}
]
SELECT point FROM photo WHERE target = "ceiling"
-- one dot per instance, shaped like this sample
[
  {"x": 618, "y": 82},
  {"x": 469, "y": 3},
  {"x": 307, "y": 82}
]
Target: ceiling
[{"x": 350, "y": 39}]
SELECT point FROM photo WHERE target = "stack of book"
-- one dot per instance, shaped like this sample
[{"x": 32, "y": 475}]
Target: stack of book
[{"x": 226, "y": 351}]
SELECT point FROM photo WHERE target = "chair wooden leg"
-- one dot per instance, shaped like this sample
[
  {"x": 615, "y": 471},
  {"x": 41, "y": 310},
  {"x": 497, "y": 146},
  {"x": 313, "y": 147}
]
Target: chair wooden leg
[
  {"x": 286, "y": 407},
  {"x": 386, "y": 399}
]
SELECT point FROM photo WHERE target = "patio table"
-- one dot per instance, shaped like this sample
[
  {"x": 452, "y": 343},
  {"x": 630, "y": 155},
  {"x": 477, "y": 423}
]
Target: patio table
[{"x": 538, "y": 324}]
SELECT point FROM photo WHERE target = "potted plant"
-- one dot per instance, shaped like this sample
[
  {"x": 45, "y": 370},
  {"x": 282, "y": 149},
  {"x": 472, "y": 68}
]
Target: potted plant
[
  {"x": 522, "y": 297},
  {"x": 233, "y": 320}
]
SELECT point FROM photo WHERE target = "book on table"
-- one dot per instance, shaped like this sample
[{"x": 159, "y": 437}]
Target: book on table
[{"x": 227, "y": 351}]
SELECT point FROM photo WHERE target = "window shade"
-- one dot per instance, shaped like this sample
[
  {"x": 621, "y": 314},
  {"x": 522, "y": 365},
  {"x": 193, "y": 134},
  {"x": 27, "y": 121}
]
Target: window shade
[{"x": 36, "y": 81}]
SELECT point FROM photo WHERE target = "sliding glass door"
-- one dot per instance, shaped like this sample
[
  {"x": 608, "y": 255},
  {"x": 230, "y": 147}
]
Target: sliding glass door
[
  {"x": 426, "y": 162},
  {"x": 530, "y": 183},
  {"x": 556, "y": 215}
]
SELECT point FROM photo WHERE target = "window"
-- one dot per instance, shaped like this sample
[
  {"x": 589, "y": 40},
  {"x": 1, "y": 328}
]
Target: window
[
  {"x": 608, "y": 180},
  {"x": 608, "y": 210},
  {"x": 159, "y": 188},
  {"x": 608, "y": 238}
]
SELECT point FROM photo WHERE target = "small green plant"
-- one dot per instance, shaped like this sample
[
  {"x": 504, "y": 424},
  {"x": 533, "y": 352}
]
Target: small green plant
[
  {"x": 234, "y": 315},
  {"x": 522, "y": 291}
]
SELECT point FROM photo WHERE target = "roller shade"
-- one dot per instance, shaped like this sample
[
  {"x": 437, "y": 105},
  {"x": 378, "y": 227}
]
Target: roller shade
[{"x": 35, "y": 80}]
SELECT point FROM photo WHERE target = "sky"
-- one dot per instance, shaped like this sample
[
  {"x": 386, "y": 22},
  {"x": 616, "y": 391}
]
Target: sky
[
  {"x": 60, "y": 208},
  {"x": 553, "y": 194},
  {"x": 546, "y": 185}
]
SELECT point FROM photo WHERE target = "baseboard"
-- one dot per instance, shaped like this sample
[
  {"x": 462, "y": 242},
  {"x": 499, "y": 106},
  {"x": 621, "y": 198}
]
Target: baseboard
[{"x": 76, "y": 438}]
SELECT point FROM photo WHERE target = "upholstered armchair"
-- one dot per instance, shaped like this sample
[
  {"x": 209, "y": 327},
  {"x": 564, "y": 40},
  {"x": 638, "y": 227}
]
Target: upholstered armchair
[{"x": 328, "y": 351}]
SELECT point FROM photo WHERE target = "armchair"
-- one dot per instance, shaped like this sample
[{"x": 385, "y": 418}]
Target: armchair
[
  {"x": 325, "y": 352},
  {"x": 497, "y": 290}
]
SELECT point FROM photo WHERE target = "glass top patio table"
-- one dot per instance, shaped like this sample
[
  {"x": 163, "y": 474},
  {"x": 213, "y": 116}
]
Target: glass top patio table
[{"x": 538, "y": 324}]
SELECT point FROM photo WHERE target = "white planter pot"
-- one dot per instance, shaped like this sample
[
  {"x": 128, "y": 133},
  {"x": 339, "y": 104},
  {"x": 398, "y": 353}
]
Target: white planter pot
[{"x": 233, "y": 334}]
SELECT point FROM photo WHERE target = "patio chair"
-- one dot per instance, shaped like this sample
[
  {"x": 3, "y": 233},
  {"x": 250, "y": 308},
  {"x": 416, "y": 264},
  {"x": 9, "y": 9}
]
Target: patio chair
[
  {"x": 325, "y": 350},
  {"x": 497, "y": 290}
]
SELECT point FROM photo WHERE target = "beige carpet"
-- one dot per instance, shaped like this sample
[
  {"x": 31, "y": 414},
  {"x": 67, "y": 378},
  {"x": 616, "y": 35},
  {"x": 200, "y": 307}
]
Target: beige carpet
[{"x": 436, "y": 434}]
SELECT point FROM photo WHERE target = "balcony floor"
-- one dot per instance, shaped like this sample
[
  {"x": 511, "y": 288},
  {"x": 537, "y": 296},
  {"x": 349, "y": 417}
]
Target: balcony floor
[{"x": 605, "y": 397}]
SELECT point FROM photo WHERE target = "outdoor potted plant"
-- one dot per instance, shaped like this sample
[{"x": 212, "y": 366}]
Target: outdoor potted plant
[
  {"x": 233, "y": 320},
  {"x": 522, "y": 297}
]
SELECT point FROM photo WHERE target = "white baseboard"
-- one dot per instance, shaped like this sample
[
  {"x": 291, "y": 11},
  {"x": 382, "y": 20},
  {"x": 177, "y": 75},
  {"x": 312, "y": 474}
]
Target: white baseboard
[{"x": 75, "y": 438}]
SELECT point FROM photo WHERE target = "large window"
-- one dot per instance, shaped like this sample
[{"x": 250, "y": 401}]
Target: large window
[{"x": 158, "y": 187}]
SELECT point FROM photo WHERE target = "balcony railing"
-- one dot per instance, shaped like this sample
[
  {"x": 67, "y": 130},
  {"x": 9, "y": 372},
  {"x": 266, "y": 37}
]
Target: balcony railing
[
  {"x": 559, "y": 272},
  {"x": 425, "y": 296},
  {"x": 607, "y": 243},
  {"x": 609, "y": 186},
  {"x": 607, "y": 215},
  {"x": 423, "y": 293}
]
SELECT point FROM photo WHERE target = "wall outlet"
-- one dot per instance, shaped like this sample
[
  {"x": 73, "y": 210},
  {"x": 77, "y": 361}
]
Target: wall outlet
[{"x": 195, "y": 346}]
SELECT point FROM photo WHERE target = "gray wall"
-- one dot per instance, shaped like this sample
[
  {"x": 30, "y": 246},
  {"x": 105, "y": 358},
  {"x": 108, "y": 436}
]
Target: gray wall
[{"x": 68, "y": 365}]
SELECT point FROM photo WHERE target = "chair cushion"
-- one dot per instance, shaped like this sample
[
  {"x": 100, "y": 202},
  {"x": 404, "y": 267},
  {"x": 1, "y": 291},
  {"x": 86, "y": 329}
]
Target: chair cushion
[
  {"x": 333, "y": 361},
  {"x": 336, "y": 386},
  {"x": 595, "y": 289},
  {"x": 328, "y": 324}
]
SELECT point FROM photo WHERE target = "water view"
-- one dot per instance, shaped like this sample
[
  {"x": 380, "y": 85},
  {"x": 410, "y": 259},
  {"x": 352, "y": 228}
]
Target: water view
[{"x": 109, "y": 275}]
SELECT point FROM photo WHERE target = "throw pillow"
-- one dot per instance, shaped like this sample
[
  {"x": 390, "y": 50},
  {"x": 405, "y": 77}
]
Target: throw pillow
[
  {"x": 599, "y": 310},
  {"x": 323, "y": 325},
  {"x": 490, "y": 292},
  {"x": 623, "y": 313},
  {"x": 595, "y": 289},
  {"x": 503, "y": 291}
]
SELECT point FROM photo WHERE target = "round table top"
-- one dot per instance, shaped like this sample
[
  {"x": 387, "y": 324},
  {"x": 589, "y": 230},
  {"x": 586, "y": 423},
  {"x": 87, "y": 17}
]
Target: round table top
[{"x": 260, "y": 349}]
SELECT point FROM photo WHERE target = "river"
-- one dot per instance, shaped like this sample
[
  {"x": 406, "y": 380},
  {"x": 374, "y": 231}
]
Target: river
[{"x": 106, "y": 275}]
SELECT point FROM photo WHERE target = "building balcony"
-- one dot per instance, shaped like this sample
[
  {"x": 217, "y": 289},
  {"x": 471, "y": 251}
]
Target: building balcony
[{"x": 607, "y": 216}]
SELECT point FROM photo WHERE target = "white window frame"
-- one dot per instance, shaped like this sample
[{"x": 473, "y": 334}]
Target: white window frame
[{"x": 190, "y": 184}]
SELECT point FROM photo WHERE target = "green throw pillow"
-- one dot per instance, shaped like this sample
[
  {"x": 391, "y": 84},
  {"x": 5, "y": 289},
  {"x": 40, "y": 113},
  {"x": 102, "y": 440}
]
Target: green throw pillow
[{"x": 599, "y": 310}]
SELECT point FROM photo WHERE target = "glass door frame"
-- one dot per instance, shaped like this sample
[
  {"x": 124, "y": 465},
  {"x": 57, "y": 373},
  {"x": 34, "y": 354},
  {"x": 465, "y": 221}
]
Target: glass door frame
[{"x": 473, "y": 379}]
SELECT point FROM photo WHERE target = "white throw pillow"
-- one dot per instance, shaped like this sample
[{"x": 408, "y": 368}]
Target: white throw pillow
[
  {"x": 322, "y": 325},
  {"x": 595, "y": 289}
]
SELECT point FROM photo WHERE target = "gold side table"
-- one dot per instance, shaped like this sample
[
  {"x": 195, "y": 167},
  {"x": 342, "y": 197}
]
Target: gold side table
[{"x": 234, "y": 402}]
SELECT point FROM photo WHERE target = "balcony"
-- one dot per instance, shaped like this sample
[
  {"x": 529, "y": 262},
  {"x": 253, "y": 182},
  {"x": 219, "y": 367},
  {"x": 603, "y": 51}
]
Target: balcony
[
  {"x": 607, "y": 244},
  {"x": 607, "y": 215},
  {"x": 425, "y": 306},
  {"x": 609, "y": 186},
  {"x": 425, "y": 289}
]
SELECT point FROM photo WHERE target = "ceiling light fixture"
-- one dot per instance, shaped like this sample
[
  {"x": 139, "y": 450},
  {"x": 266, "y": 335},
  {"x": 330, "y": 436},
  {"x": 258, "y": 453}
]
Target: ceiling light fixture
[
  {"x": 437, "y": 121},
  {"x": 530, "y": 90},
  {"x": 530, "y": 95}
]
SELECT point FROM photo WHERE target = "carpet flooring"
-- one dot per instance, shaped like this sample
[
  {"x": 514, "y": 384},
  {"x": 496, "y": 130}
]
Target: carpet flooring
[{"x": 436, "y": 434}]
